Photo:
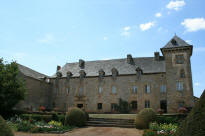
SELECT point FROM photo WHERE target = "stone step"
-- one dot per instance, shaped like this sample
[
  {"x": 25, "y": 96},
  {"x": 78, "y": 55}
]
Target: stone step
[
  {"x": 111, "y": 125},
  {"x": 107, "y": 122}
]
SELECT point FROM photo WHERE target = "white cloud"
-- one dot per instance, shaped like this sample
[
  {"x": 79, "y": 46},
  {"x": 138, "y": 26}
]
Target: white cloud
[
  {"x": 194, "y": 24},
  {"x": 146, "y": 26},
  {"x": 188, "y": 41},
  {"x": 48, "y": 38},
  {"x": 158, "y": 14},
  {"x": 197, "y": 84},
  {"x": 105, "y": 38},
  {"x": 127, "y": 28},
  {"x": 176, "y": 5},
  {"x": 126, "y": 31}
]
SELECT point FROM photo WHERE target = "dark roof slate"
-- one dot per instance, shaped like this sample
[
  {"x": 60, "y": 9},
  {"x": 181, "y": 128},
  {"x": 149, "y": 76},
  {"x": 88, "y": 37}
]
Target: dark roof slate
[
  {"x": 147, "y": 64},
  {"x": 29, "y": 72},
  {"x": 179, "y": 43}
]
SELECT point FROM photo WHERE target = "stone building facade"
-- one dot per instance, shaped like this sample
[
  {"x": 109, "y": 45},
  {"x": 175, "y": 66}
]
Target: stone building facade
[{"x": 157, "y": 82}]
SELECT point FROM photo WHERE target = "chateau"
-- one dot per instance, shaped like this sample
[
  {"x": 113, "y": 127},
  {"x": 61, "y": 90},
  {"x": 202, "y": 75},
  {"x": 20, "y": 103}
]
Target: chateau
[{"x": 157, "y": 82}]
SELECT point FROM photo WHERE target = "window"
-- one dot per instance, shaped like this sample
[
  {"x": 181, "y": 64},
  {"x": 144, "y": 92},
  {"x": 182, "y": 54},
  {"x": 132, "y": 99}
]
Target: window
[
  {"x": 134, "y": 90},
  {"x": 179, "y": 86},
  {"x": 99, "y": 106},
  {"x": 113, "y": 106},
  {"x": 179, "y": 59},
  {"x": 147, "y": 89},
  {"x": 67, "y": 90},
  {"x": 163, "y": 88},
  {"x": 80, "y": 91},
  {"x": 99, "y": 89},
  {"x": 134, "y": 105},
  {"x": 182, "y": 74},
  {"x": 147, "y": 104},
  {"x": 114, "y": 90}
]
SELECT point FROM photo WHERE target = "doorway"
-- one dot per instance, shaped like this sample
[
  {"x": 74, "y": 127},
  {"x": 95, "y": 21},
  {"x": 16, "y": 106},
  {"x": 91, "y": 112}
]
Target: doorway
[{"x": 163, "y": 105}]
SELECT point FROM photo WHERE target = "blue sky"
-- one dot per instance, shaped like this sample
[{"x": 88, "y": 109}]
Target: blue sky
[{"x": 42, "y": 34}]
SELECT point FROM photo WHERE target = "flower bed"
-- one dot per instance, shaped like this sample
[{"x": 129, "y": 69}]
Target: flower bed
[
  {"x": 34, "y": 126},
  {"x": 161, "y": 130}
]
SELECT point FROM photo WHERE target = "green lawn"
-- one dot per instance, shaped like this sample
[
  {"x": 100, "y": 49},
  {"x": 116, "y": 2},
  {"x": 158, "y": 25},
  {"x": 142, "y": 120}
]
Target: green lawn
[{"x": 113, "y": 116}]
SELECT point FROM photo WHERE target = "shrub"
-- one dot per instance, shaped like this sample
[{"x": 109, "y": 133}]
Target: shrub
[
  {"x": 5, "y": 130},
  {"x": 146, "y": 116},
  {"x": 194, "y": 124},
  {"x": 140, "y": 123},
  {"x": 150, "y": 132},
  {"x": 55, "y": 117},
  {"x": 75, "y": 117},
  {"x": 36, "y": 117},
  {"x": 55, "y": 123},
  {"x": 61, "y": 118},
  {"x": 86, "y": 115}
]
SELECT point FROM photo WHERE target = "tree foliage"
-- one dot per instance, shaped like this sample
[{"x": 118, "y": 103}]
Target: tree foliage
[
  {"x": 194, "y": 124},
  {"x": 12, "y": 88}
]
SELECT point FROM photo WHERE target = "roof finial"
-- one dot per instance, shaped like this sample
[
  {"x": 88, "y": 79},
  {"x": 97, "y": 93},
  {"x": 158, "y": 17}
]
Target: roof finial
[{"x": 175, "y": 34}]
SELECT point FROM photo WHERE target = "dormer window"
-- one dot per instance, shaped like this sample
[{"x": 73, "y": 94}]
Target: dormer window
[
  {"x": 82, "y": 74},
  {"x": 139, "y": 72},
  {"x": 69, "y": 75},
  {"x": 129, "y": 59},
  {"x": 101, "y": 73},
  {"x": 174, "y": 42},
  {"x": 179, "y": 59},
  {"x": 114, "y": 72},
  {"x": 58, "y": 74}
]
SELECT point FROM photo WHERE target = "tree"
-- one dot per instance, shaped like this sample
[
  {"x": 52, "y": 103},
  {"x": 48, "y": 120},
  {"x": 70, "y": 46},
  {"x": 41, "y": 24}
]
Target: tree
[
  {"x": 194, "y": 124},
  {"x": 12, "y": 88}
]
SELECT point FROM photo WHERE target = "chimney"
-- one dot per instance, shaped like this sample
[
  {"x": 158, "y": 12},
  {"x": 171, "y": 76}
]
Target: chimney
[
  {"x": 129, "y": 59},
  {"x": 58, "y": 68},
  {"x": 81, "y": 63},
  {"x": 156, "y": 56}
]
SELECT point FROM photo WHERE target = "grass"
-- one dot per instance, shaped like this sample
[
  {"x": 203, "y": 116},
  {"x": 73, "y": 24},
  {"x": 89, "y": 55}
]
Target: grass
[{"x": 113, "y": 116}]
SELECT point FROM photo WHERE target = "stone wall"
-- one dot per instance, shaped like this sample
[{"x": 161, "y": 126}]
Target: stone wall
[
  {"x": 38, "y": 92},
  {"x": 91, "y": 97}
]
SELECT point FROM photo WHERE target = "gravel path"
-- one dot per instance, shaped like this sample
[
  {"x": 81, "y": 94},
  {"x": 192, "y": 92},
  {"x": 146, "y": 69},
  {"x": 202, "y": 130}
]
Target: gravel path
[{"x": 93, "y": 131}]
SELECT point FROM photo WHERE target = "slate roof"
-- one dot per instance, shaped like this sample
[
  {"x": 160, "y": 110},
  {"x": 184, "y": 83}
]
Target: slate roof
[
  {"x": 147, "y": 64},
  {"x": 29, "y": 72},
  {"x": 179, "y": 43}
]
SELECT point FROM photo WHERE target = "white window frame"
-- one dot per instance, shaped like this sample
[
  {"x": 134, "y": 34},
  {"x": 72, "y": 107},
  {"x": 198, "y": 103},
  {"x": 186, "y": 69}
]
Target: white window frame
[
  {"x": 147, "y": 89},
  {"x": 179, "y": 86},
  {"x": 114, "y": 90},
  {"x": 163, "y": 89},
  {"x": 134, "y": 90}
]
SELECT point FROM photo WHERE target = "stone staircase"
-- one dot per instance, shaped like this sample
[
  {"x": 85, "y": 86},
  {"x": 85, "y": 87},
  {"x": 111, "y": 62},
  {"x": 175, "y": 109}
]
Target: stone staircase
[{"x": 106, "y": 122}]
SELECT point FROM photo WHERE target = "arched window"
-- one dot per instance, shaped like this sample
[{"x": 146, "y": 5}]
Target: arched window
[{"x": 182, "y": 73}]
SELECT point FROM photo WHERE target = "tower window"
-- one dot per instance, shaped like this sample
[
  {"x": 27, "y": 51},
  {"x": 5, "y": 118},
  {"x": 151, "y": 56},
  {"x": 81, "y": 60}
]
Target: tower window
[
  {"x": 147, "y": 89},
  {"x": 182, "y": 74},
  {"x": 134, "y": 90},
  {"x": 163, "y": 88},
  {"x": 147, "y": 104},
  {"x": 179, "y": 59},
  {"x": 179, "y": 86}
]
